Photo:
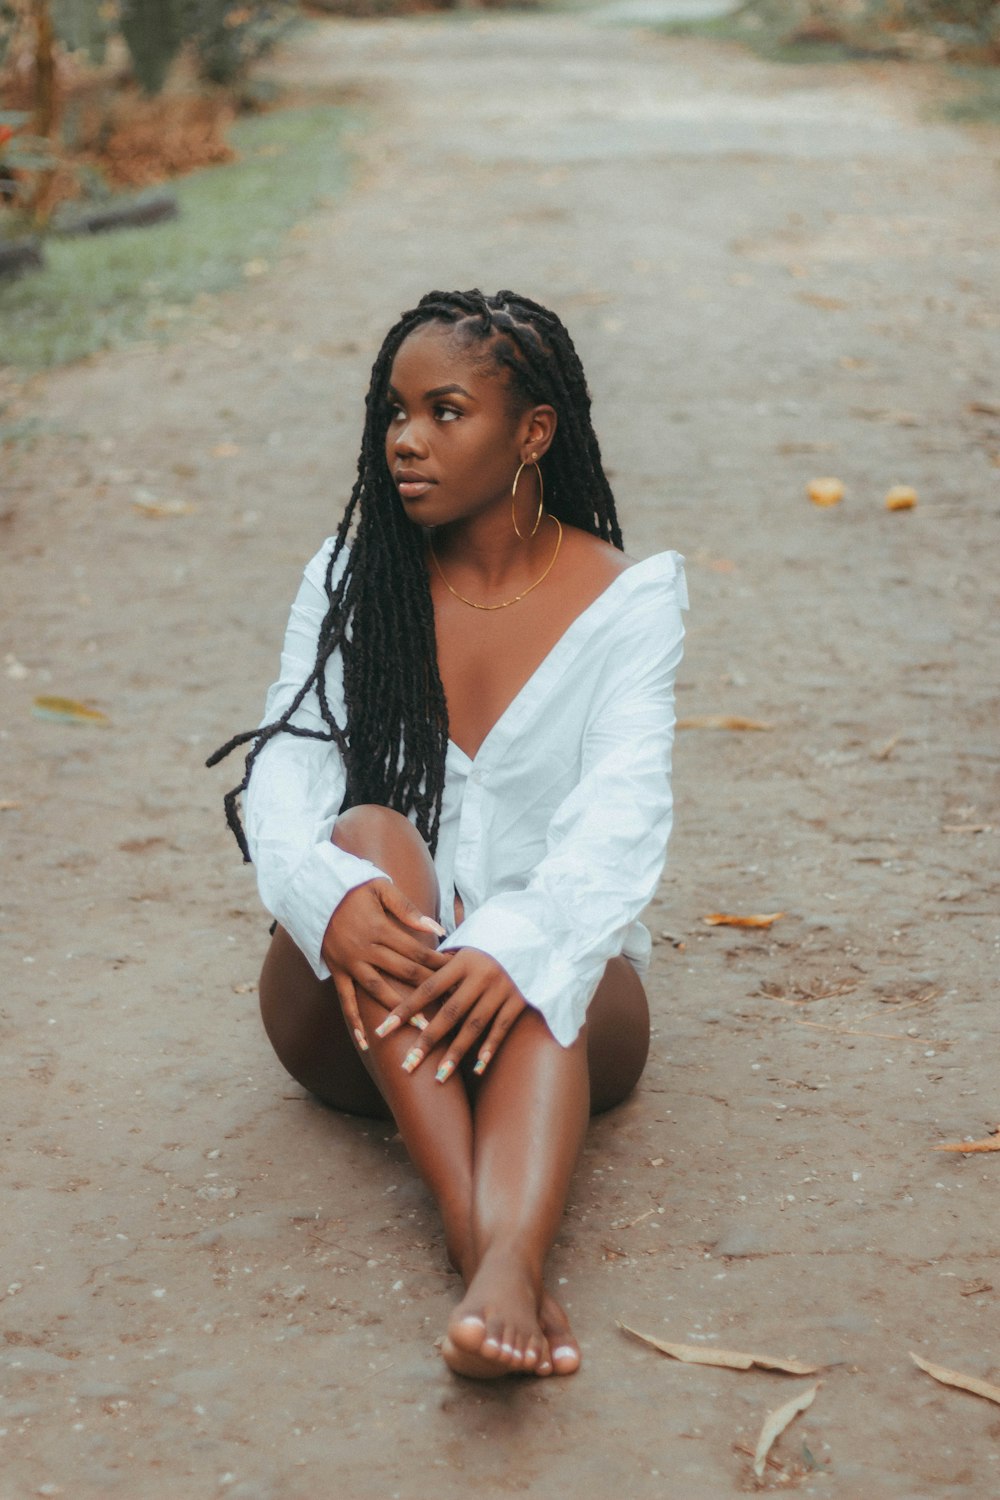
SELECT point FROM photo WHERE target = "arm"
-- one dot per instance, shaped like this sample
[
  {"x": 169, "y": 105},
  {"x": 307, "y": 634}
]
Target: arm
[{"x": 297, "y": 788}]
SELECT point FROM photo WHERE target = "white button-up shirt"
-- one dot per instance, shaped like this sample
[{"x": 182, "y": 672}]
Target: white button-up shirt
[{"x": 554, "y": 834}]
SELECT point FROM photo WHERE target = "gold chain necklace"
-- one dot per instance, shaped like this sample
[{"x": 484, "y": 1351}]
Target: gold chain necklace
[{"x": 517, "y": 597}]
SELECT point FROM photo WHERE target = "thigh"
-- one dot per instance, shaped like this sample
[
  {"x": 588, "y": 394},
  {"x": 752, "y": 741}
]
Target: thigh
[
  {"x": 617, "y": 1035},
  {"x": 305, "y": 1026}
]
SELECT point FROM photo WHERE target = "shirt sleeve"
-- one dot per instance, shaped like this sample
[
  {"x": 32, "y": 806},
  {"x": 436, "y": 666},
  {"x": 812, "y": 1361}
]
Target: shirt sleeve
[
  {"x": 297, "y": 787},
  {"x": 606, "y": 843}
]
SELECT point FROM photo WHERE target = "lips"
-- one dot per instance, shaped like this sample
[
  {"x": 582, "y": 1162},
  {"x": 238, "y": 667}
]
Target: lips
[{"x": 411, "y": 484}]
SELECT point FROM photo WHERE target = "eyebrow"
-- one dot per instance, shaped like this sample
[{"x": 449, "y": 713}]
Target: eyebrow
[{"x": 440, "y": 390}]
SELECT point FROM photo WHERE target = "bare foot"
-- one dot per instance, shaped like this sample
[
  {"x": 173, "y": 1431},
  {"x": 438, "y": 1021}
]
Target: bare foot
[
  {"x": 563, "y": 1350},
  {"x": 495, "y": 1329}
]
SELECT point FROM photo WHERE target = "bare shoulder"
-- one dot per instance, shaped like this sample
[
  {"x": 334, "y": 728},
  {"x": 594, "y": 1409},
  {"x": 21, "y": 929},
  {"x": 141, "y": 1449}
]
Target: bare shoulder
[{"x": 595, "y": 563}]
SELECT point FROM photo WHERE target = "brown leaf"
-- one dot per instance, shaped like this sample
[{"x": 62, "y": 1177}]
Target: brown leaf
[
  {"x": 727, "y": 1359},
  {"x": 825, "y": 491},
  {"x": 956, "y": 1378},
  {"x": 9, "y": 805},
  {"x": 775, "y": 1423},
  {"x": 722, "y": 721},
  {"x": 901, "y": 497},
  {"x": 723, "y": 919},
  {"x": 991, "y": 1143},
  {"x": 68, "y": 711}
]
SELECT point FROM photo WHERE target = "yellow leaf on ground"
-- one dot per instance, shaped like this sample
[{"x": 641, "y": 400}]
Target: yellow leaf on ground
[
  {"x": 157, "y": 510},
  {"x": 991, "y": 1143},
  {"x": 724, "y": 919},
  {"x": 775, "y": 1423},
  {"x": 901, "y": 497},
  {"x": 722, "y": 721},
  {"x": 68, "y": 711},
  {"x": 727, "y": 1359},
  {"x": 825, "y": 491},
  {"x": 956, "y": 1378},
  {"x": 9, "y": 805}
]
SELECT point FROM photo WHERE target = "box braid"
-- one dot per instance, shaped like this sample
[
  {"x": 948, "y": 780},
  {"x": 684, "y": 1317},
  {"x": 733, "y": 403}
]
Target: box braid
[{"x": 380, "y": 615}]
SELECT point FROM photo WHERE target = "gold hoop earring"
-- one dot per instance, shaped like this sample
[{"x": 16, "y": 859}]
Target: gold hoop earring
[{"x": 541, "y": 499}]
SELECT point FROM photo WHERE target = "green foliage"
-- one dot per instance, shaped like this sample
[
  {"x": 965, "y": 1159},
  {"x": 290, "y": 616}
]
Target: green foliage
[
  {"x": 103, "y": 291},
  {"x": 84, "y": 25},
  {"x": 153, "y": 30},
  {"x": 229, "y": 37}
]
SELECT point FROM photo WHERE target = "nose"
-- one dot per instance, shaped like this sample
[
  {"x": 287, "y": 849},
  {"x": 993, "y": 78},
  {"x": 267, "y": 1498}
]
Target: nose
[{"x": 409, "y": 440}]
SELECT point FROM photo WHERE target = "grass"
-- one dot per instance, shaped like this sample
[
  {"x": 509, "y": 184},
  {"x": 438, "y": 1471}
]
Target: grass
[
  {"x": 108, "y": 290},
  {"x": 979, "y": 104}
]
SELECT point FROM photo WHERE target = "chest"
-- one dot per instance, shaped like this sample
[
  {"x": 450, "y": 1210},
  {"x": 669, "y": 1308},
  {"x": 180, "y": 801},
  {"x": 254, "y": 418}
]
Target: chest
[{"x": 486, "y": 659}]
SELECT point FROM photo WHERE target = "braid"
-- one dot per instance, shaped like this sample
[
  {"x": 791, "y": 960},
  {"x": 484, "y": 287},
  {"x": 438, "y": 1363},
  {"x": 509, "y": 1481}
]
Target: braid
[{"x": 379, "y": 613}]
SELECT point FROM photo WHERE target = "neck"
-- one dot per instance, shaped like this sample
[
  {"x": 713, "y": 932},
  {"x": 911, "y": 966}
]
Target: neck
[{"x": 486, "y": 552}]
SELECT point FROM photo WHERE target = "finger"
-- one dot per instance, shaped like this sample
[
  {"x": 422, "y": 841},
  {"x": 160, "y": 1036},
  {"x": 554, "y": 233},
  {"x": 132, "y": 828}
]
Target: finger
[
  {"x": 410, "y": 970},
  {"x": 432, "y": 989},
  {"x": 465, "y": 997},
  {"x": 347, "y": 995},
  {"x": 470, "y": 1033},
  {"x": 378, "y": 987},
  {"x": 502, "y": 1022},
  {"x": 403, "y": 909}
]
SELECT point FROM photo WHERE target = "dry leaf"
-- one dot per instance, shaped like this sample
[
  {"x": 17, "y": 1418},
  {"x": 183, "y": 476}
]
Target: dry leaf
[
  {"x": 825, "y": 491},
  {"x": 68, "y": 711},
  {"x": 9, "y": 805},
  {"x": 991, "y": 1143},
  {"x": 157, "y": 510},
  {"x": 984, "y": 408},
  {"x": 722, "y": 721},
  {"x": 225, "y": 450},
  {"x": 775, "y": 1423},
  {"x": 817, "y": 299},
  {"x": 966, "y": 827},
  {"x": 722, "y": 919},
  {"x": 955, "y": 1377},
  {"x": 901, "y": 497},
  {"x": 727, "y": 1359}
]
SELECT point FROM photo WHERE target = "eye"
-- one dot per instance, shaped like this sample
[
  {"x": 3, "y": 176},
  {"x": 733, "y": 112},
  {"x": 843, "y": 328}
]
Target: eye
[
  {"x": 447, "y": 413},
  {"x": 395, "y": 411}
]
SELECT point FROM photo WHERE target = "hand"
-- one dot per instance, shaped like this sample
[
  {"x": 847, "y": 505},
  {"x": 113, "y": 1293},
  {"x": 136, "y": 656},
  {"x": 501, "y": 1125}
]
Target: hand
[
  {"x": 371, "y": 940},
  {"x": 479, "y": 999}
]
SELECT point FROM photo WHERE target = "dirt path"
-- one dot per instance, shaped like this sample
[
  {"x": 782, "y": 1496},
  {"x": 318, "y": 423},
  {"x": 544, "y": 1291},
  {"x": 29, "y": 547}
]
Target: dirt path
[{"x": 211, "y": 1286}]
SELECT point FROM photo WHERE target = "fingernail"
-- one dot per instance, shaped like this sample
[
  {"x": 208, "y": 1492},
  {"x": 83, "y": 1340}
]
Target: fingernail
[
  {"x": 388, "y": 1026},
  {"x": 419, "y": 1021},
  {"x": 361, "y": 1039},
  {"x": 445, "y": 1071},
  {"x": 412, "y": 1059},
  {"x": 432, "y": 926},
  {"x": 481, "y": 1063}
]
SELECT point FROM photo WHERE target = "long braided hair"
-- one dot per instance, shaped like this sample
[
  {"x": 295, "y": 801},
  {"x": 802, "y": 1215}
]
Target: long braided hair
[{"x": 380, "y": 615}]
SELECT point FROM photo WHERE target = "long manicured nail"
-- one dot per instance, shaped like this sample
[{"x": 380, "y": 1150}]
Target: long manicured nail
[
  {"x": 445, "y": 1071},
  {"x": 412, "y": 1059},
  {"x": 481, "y": 1063},
  {"x": 361, "y": 1039},
  {"x": 388, "y": 1026},
  {"x": 419, "y": 1021},
  {"x": 432, "y": 926}
]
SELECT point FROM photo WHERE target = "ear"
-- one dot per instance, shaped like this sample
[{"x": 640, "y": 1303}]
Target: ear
[{"x": 538, "y": 428}]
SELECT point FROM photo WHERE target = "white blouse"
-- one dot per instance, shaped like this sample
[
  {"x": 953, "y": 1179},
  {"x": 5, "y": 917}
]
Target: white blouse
[{"x": 554, "y": 833}]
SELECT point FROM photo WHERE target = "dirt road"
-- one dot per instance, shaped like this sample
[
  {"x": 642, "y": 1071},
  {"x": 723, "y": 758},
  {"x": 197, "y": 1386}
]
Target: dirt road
[{"x": 213, "y": 1287}]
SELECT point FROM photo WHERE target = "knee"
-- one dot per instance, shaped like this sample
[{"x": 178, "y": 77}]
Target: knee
[
  {"x": 390, "y": 841},
  {"x": 368, "y": 824}
]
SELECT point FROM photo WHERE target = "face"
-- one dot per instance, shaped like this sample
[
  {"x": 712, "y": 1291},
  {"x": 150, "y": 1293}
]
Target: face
[{"x": 453, "y": 441}]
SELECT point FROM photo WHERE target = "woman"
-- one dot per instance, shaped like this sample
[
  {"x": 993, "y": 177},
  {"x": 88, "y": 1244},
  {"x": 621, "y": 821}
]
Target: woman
[{"x": 459, "y": 800}]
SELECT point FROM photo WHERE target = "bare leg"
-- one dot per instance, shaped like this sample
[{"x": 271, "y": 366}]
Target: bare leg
[{"x": 498, "y": 1166}]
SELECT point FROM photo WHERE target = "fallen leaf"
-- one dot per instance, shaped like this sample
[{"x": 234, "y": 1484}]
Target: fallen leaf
[
  {"x": 825, "y": 491},
  {"x": 966, "y": 827},
  {"x": 722, "y": 721},
  {"x": 817, "y": 299},
  {"x": 68, "y": 711},
  {"x": 955, "y": 1377},
  {"x": 984, "y": 408},
  {"x": 9, "y": 805},
  {"x": 722, "y": 919},
  {"x": 727, "y": 1359},
  {"x": 887, "y": 748},
  {"x": 975, "y": 1288},
  {"x": 775, "y": 1423},
  {"x": 225, "y": 450},
  {"x": 901, "y": 497},
  {"x": 991, "y": 1143},
  {"x": 157, "y": 510}
]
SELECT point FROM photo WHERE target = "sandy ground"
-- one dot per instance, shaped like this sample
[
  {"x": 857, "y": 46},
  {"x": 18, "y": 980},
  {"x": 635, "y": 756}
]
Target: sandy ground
[{"x": 213, "y": 1286}]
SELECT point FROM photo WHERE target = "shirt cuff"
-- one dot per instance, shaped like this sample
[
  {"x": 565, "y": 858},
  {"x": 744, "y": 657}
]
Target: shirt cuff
[{"x": 312, "y": 895}]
